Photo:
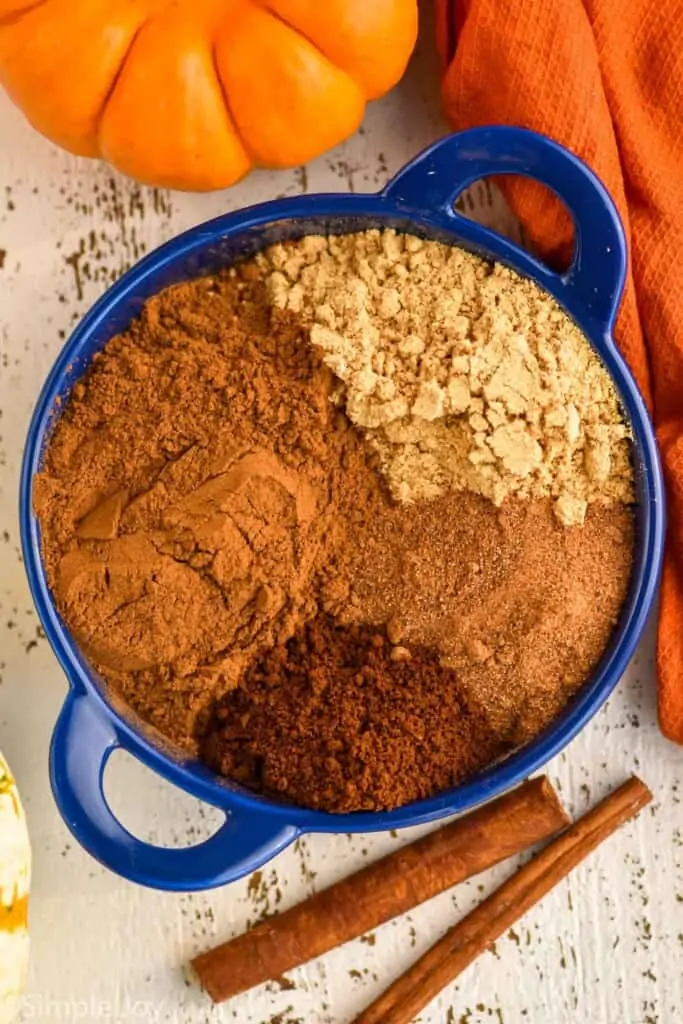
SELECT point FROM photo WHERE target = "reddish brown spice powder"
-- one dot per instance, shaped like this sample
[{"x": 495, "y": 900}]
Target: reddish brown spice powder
[
  {"x": 520, "y": 605},
  {"x": 189, "y": 496}
]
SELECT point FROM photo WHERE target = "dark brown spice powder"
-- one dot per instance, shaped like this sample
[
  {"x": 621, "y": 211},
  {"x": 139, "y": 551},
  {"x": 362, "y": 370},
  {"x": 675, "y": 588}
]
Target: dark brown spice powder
[{"x": 331, "y": 721}]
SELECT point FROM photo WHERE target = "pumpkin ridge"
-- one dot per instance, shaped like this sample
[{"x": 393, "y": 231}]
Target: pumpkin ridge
[
  {"x": 115, "y": 80},
  {"x": 228, "y": 108},
  {"x": 265, "y": 6},
  {"x": 13, "y": 16}
]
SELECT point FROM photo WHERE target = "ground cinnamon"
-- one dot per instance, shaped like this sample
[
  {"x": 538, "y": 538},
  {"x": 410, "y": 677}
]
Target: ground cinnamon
[
  {"x": 189, "y": 492},
  {"x": 383, "y": 890}
]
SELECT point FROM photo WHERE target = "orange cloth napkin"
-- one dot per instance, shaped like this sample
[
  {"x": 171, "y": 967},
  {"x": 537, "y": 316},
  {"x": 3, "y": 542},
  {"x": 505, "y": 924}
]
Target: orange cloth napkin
[{"x": 605, "y": 78}]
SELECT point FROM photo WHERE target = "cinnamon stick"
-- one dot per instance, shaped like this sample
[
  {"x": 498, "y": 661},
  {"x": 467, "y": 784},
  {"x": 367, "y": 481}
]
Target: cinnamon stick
[
  {"x": 442, "y": 964},
  {"x": 383, "y": 890}
]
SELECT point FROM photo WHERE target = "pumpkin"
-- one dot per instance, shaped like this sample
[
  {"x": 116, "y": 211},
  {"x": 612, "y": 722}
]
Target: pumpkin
[
  {"x": 15, "y": 867},
  {"x": 192, "y": 94}
]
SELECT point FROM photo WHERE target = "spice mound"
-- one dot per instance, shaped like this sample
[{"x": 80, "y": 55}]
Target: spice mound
[
  {"x": 464, "y": 375},
  {"x": 217, "y": 518},
  {"x": 188, "y": 496},
  {"x": 335, "y": 720},
  {"x": 280, "y": 557},
  {"x": 510, "y": 598}
]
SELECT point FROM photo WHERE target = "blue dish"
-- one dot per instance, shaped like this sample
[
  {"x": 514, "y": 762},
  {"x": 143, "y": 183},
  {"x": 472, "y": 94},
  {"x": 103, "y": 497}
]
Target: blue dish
[{"x": 419, "y": 199}]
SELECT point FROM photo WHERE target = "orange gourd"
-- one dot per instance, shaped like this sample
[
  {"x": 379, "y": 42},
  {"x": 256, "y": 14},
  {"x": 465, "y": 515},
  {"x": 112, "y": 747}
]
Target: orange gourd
[{"x": 192, "y": 94}]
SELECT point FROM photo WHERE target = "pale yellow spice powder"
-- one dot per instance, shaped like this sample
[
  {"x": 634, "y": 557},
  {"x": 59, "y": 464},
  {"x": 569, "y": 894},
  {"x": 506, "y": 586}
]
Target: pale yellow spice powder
[{"x": 463, "y": 374}]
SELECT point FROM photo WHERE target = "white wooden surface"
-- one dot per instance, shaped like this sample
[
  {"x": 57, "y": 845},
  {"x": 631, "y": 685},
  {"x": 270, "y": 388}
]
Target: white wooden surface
[{"x": 605, "y": 948}]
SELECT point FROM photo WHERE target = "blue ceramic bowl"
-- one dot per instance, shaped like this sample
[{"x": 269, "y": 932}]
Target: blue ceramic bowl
[{"x": 419, "y": 199}]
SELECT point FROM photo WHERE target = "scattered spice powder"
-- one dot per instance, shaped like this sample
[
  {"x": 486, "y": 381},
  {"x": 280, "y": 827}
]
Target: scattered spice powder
[
  {"x": 465, "y": 375},
  {"x": 220, "y": 540}
]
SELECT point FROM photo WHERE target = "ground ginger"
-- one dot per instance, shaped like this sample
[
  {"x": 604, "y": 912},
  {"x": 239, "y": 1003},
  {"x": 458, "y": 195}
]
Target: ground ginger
[{"x": 463, "y": 375}]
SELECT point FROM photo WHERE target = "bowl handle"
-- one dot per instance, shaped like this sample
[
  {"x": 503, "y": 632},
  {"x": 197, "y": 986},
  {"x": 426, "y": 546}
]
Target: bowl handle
[
  {"x": 82, "y": 743},
  {"x": 431, "y": 183}
]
